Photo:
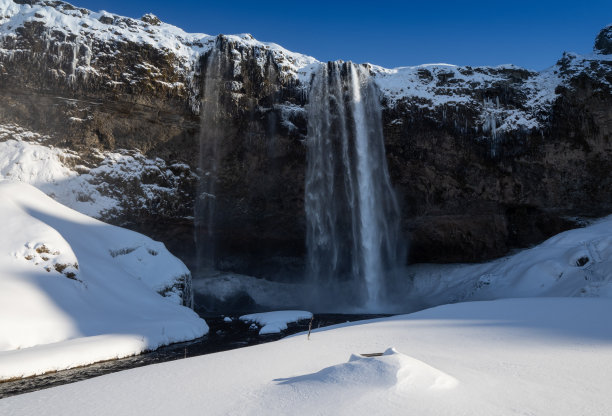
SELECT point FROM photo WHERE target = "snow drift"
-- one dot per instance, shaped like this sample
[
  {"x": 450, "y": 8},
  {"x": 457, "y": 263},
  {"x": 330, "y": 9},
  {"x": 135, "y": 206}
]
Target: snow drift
[{"x": 74, "y": 290}]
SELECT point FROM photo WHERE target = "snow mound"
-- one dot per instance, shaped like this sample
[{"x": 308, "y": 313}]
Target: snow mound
[
  {"x": 275, "y": 322},
  {"x": 74, "y": 290},
  {"x": 391, "y": 370}
]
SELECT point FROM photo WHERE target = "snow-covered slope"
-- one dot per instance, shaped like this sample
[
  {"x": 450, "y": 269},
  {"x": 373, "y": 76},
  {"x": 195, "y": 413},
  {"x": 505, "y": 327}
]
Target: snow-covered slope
[
  {"x": 94, "y": 186},
  {"x": 575, "y": 263},
  {"x": 510, "y": 357},
  {"x": 74, "y": 290}
]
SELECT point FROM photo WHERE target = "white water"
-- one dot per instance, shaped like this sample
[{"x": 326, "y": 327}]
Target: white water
[
  {"x": 370, "y": 239},
  {"x": 351, "y": 210}
]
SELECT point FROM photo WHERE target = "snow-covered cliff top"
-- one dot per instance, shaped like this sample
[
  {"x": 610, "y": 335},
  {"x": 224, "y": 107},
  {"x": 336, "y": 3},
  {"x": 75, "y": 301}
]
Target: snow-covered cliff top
[
  {"x": 428, "y": 87},
  {"x": 108, "y": 27}
]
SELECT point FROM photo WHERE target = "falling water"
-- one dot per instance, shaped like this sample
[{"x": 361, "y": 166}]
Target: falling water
[
  {"x": 352, "y": 214},
  {"x": 211, "y": 132}
]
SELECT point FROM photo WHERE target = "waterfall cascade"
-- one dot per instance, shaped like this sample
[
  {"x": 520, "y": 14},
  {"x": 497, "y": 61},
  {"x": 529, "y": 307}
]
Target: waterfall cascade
[
  {"x": 211, "y": 133},
  {"x": 353, "y": 218}
]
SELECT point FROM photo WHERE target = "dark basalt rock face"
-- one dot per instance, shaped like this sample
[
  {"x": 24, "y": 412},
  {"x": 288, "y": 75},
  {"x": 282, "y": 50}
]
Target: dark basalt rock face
[
  {"x": 464, "y": 196},
  {"x": 259, "y": 209},
  {"x": 463, "y": 204}
]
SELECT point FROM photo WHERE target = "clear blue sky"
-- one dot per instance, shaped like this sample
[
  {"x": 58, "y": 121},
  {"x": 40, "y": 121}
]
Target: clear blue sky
[{"x": 532, "y": 34}]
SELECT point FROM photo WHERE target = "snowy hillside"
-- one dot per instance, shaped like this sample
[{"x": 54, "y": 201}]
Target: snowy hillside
[
  {"x": 74, "y": 290},
  {"x": 510, "y": 357}
]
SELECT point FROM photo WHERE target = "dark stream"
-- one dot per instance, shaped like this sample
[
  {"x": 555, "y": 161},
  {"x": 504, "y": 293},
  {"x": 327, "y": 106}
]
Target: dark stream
[{"x": 223, "y": 336}]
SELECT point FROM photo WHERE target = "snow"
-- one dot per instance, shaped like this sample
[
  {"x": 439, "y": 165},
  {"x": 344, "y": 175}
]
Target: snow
[
  {"x": 74, "y": 290},
  {"x": 539, "y": 356},
  {"x": 434, "y": 86},
  {"x": 86, "y": 24},
  {"x": 276, "y": 321},
  {"x": 88, "y": 187},
  {"x": 390, "y": 370},
  {"x": 575, "y": 263},
  {"x": 109, "y": 28},
  {"x": 45, "y": 167}
]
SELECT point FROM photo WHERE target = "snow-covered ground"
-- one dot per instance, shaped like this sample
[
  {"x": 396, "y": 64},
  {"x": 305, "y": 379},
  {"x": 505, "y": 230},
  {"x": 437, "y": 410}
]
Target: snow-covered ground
[
  {"x": 539, "y": 356},
  {"x": 74, "y": 290},
  {"x": 276, "y": 321}
]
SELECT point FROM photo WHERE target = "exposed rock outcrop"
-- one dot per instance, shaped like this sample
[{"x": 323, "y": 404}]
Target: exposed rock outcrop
[{"x": 603, "y": 42}]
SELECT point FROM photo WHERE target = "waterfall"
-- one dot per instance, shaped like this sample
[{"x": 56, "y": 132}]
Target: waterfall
[
  {"x": 211, "y": 133},
  {"x": 352, "y": 214}
]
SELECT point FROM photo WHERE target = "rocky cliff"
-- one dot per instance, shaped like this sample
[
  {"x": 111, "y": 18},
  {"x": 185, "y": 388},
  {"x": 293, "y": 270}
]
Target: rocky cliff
[{"x": 484, "y": 159}]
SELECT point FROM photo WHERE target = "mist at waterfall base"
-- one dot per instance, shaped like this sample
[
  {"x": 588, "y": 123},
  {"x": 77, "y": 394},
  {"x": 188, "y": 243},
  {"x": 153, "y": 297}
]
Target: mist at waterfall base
[{"x": 354, "y": 246}]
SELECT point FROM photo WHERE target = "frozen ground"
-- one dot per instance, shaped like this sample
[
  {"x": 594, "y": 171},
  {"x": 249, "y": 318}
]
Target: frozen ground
[
  {"x": 538, "y": 356},
  {"x": 74, "y": 290}
]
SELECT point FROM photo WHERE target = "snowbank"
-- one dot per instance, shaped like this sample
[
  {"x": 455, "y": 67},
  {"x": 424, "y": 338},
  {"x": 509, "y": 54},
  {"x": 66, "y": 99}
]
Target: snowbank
[
  {"x": 275, "y": 322},
  {"x": 74, "y": 290},
  {"x": 574, "y": 263},
  {"x": 544, "y": 356}
]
